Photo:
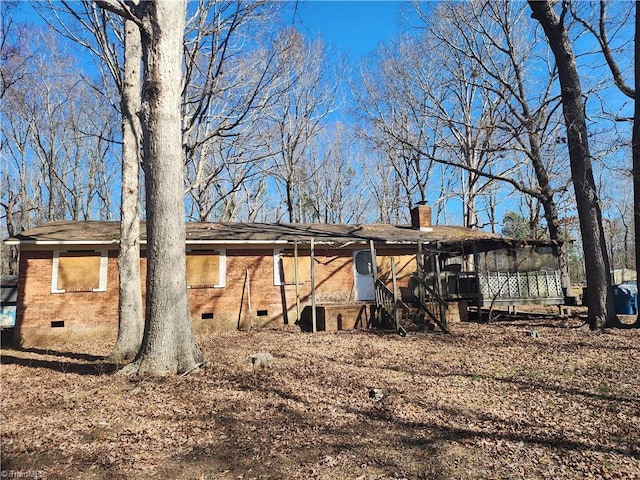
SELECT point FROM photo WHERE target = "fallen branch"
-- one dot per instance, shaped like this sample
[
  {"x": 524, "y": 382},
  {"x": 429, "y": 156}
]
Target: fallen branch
[{"x": 193, "y": 368}]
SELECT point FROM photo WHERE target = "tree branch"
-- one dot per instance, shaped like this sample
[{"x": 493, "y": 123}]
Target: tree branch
[
  {"x": 121, "y": 8},
  {"x": 603, "y": 40}
]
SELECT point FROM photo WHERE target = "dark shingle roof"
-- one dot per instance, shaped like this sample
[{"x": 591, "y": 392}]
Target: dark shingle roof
[{"x": 96, "y": 232}]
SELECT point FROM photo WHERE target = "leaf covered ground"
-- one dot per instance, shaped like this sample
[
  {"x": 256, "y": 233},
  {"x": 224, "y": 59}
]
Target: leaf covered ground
[{"x": 488, "y": 401}]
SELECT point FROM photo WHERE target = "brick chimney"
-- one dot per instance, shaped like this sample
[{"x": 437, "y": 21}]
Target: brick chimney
[{"x": 421, "y": 218}]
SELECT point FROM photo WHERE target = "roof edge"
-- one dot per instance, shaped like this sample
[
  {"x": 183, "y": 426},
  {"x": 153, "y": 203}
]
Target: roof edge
[{"x": 14, "y": 241}]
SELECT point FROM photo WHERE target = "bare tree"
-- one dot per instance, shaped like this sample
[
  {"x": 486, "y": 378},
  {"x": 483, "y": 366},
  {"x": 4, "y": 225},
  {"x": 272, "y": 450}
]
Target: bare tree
[
  {"x": 332, "y": 194},
  {"x": 382, "y": 184},
  {"x": 635, "y": 146},
  {"x": 471, "y": 140},
  {"x": 58, "y": 135},
  {"x": 227, "y": 88},
  {"x": 295, "y": 120},
  {"x": 495, "y": 38},
  {"x": 600, "y": 297},
  {"x": 169, "y": 344},
  {"x": 218, "y": 173},
  {"x": 427, "y": 106},
  {"x": 12, "y": 57},
  {"x": 618, "y": 231},
  {"x": 395, "y": 104},
  {"x": 601, "y": 35},
  {"x": 12, "y": 68},
  {"x": 130, "y": 311},
  {"x": 101, "y": 33}
]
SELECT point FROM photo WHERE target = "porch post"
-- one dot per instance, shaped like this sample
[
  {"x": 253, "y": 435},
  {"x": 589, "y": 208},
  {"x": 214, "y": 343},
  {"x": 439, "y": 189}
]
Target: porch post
[
  {"x": 295, "y": 274},
  {"x": 248, "y": 280},
  {"x": 436, "y": 269},
  {"x": 395, "y": 295},
  {"x": 438, "y": 285},
  {"x": 374, "y": 261},
  {"x": 313, "y": 289},
  {"x": 478, "y": 273}
]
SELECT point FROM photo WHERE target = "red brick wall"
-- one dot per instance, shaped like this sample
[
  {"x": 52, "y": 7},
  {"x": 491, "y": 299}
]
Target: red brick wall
[
  {"x": 98, "y": 311},
  {"x": 230, "y": 306},
  {"x": 38, "y": 307}
]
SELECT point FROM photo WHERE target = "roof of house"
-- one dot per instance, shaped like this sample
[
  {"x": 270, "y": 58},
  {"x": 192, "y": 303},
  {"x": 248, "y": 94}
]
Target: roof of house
[{"x": 101, "y": 232}]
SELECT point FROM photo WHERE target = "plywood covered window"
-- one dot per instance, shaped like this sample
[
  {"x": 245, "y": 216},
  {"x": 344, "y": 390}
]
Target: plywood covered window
[
  {"x": 79, "y": 271},
  {"x": 284, "y": 266},
  {"x": 405, "y": 266},
  {"x": 206, "y": 268}
]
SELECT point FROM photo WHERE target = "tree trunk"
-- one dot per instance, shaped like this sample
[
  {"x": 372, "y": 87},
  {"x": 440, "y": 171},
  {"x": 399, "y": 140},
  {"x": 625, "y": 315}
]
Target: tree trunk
[
  {"x": 130, "y": 311},
  {"x": 290, "y": 204},
  {"x": 549, "y": 206},
  {"x": 169, "y": 345},
  {"x": 12, "y": 263},
  {"x": 635, "y": 147},
  {"x": 600, "y": 296}
]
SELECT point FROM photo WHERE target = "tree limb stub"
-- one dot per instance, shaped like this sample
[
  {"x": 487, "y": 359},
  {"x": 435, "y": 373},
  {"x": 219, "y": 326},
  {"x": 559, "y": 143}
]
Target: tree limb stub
[{"x": 123, "y": 9}]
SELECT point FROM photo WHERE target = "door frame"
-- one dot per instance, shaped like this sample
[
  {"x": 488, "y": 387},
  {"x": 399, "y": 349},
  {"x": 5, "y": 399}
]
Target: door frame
[{"x": 363, "y": 283}]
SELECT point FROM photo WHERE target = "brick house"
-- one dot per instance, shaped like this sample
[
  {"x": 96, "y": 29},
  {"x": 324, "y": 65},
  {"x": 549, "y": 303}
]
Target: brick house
[{"x": 239, "y": 275}]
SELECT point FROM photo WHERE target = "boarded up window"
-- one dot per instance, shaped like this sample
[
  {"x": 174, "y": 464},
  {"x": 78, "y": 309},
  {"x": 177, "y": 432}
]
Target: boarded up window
[
  {"x": 79, "y": 271},
  {"x": 203, "y": 269},
  {"x": 405, "y": 266},
  {"x": 284, "y": 267},
  {"x": 304, "y": 267}
]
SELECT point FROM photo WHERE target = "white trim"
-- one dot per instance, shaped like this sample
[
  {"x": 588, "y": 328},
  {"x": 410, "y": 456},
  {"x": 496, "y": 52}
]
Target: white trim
[
  {"x": 277, "y": 274},
  {"x": 104, "y": 262},
  {"x": 259, "y": 243},
  {"x": 62, "y": 242},
  {"x": 235, "y": 242},
  {"x": 143, "y": 242},
  {"x": 102, "y": 282},
  {"x": 54, "y": 272},
  {"x": 222, "y": 268}
]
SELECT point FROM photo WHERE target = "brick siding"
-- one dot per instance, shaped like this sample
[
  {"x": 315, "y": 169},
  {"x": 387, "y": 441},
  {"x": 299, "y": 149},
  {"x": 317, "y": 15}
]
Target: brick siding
[{"x": 97, "y": 312}]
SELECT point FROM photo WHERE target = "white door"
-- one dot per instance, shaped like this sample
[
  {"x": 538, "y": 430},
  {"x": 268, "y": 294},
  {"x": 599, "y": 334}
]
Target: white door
[{"x": 362, "y": 270}]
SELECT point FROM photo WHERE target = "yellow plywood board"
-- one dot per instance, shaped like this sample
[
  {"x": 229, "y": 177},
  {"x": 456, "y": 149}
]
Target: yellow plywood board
[
  {"x": 203, "y": 269},
  {"x": 79, "y": 272},
  {"x": 288, "y": 267}
]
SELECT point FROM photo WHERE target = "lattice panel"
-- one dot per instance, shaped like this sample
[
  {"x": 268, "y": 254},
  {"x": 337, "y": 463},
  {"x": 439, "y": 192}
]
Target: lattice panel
[{"x": 520, "y": 284}]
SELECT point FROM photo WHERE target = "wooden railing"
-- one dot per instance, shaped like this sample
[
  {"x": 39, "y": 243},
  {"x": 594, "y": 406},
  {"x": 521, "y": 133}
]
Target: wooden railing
[
  {"x": 387, "y": 305},
  {"x": 430, "y": 302}
]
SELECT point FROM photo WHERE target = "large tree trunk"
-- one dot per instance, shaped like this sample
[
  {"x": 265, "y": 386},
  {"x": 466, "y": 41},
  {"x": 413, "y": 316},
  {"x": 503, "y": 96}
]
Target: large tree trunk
[
  {"x": 635, "y": 148},
  {"x": 130, "y": 311},
  {"x": 169, "y": 345},
  {"x": 600, "y": 297}
]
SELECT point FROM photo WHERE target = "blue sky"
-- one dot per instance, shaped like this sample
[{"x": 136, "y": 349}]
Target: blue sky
[{"x": 354, "y": 28}]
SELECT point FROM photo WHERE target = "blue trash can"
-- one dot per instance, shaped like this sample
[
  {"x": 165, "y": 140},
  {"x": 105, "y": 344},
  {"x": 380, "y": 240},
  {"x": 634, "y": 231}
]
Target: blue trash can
[{"x": 625, "y": 297}]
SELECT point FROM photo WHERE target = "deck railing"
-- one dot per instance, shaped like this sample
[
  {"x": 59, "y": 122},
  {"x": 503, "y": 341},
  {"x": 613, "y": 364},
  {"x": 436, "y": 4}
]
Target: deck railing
[
  {"x": 492, "y": 288},
  {"x": 430, "y": 302},
  {"x": 388, "y": 304}
]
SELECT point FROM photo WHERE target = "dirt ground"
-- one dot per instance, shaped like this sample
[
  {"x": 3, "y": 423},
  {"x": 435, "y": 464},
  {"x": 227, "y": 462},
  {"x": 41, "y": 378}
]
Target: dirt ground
[{"x": 488, "y": 401}]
